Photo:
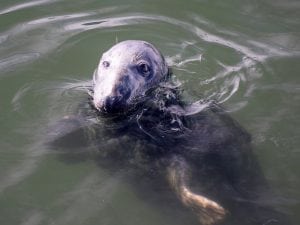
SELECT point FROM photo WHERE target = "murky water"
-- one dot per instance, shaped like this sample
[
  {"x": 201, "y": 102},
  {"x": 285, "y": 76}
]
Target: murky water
[{"x": 244, "y": 54}]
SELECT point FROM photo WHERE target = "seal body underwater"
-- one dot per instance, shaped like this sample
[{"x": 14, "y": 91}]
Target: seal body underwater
[{"x": 205, "y": 156}]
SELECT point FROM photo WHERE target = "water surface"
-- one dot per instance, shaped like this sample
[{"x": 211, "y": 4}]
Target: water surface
[{"x": 243, "y": 54}]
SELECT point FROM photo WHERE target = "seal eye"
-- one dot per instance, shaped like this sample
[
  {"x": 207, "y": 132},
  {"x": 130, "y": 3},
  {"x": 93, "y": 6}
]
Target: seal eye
[
  {"x": 105, "y": 64},
  {"x": 144, "y": 69}
]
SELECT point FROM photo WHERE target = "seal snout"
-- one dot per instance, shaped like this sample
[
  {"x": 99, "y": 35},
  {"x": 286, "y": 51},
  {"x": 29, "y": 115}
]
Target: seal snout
[
  {"x": 114, "y": 102},
  {"x": 112, "y": 94},
  {"x": 110, "y": 104}
]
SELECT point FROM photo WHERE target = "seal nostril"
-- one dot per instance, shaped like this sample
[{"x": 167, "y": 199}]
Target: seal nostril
[
  {"x": 112, "y": 103},
  {"x": 109, "y": 101}
]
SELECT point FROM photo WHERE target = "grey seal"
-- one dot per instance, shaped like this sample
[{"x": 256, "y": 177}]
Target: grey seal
[
  {"x": 125, "y": 72},
  {"x": 206, "y": 155},
  {"x": 140, "y": 120}
]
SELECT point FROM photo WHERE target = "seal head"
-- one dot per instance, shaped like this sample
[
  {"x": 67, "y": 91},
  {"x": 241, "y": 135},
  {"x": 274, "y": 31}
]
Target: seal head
[{"x": 125, "y": 73}]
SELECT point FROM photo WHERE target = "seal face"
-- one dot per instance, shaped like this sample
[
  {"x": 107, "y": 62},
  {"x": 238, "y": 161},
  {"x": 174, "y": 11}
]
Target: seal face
[{"x": 125, "y": 73}]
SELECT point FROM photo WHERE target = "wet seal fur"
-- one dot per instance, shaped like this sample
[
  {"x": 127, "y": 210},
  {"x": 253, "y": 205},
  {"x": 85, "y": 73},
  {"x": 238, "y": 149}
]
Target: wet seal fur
[{"x": 203, "y": 154}]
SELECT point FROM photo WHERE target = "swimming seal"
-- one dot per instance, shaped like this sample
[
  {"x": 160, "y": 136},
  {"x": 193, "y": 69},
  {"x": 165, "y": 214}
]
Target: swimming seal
[
  {"x": 206, "y": 155},
  {"x": 139, "y": 119},
  {"x": 125, "y": 73}
]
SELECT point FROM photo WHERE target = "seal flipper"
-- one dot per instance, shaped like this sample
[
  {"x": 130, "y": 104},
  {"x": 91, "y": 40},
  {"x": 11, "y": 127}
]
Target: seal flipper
[{"x": 208, "y": 211}]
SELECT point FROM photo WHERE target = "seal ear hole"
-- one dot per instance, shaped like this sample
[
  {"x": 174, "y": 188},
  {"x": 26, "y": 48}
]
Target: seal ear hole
[{"x": 105, "y": 64}]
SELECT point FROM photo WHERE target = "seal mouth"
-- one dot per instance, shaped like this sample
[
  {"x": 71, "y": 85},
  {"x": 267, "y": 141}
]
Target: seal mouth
[
  {"x": 161, "y": 96},
  {"x": 111, "y": 105},
  {"x": 114, "y": 104}
]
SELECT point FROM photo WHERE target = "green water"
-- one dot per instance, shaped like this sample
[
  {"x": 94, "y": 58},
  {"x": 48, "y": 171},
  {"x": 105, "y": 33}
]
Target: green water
[{"x": 244, "y": 54}]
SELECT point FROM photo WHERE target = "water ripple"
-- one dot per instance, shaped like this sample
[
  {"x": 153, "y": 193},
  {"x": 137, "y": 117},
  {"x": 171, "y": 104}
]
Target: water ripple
[
  {"x": 53, "y": 19},
  {"x": 222, "y": 65},
  {"x": 29, "y": 4},
  {"x": 17, "y": 59}
]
